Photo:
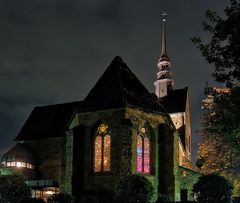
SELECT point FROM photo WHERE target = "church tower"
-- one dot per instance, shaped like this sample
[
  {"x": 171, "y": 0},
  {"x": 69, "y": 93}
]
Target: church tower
[{"x": 164, "y": 82}]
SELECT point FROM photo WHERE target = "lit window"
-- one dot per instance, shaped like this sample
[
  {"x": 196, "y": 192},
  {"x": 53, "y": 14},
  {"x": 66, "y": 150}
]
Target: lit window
[
  {"x": 143, "y": 151},
  {"x": 102, "y": 149},
  {"x": 18, "y": 164},
  {"x": 106, "y": 153},
  {"x": 29, "y": 166},
  {"x": 98, "y": 154},
  {"x": 23, "y": 164},
  {"x": 13, "y": 163},
  {"x": 8, "y": 164}
]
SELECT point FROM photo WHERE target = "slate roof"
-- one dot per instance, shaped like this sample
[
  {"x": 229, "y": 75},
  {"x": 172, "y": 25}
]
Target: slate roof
[
  {"x": 48, "y": 121},
  {"x": 117, "y": 87},
  {"x": 176, "y": 100}
]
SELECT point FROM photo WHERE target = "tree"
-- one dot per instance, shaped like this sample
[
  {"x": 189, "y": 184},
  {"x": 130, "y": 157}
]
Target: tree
[
  {"x": 224, "y": 46},
  {"x": 220, "y": 146},
  {"x": 212, "y": 189},
  {"x": 134, "y": 188},
  {"x": 13, "y": 189}
]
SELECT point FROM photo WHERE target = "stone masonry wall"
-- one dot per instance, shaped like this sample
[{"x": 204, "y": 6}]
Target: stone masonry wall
[{"x": 124, "y": 127}]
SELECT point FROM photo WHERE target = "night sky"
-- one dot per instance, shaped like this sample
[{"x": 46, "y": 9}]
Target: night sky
[{"x": 54, "y": 51}]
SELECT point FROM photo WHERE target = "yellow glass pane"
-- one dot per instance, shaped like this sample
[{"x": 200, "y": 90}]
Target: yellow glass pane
[
  {"x": 102, "y": 129},
  {"x": 97, "y": 154},
  {"x": 106, "y": 153},
  {"x": 146, "y": 155}
]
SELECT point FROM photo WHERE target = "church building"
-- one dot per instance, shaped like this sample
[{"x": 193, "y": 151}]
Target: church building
[{"x": 120, "y": 128}]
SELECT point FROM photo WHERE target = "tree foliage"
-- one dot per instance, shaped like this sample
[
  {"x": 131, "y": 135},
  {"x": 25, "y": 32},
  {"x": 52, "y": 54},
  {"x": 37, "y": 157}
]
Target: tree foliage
[
  {"x": 221, "y": 118},
  {"x": 219, "y": 150},
  {"x": 212, "y": 189},
  {"x": 13, "y": 189},
  {"x": 134, "y": 188},
  {"x": 224, "y": 46}
]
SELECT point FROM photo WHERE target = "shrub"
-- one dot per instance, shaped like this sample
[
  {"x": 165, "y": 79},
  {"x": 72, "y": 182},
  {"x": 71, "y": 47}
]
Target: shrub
[
  {"x": 89, "y": 199},
  {"x": 13, "y": 189},
  {"x": 101, "y": 195},
  {"x": 212, "y": 188},
  {"x": 34, "y": 200},
  {"x": 134, "y": 188},
  {"x": 60, "y": 198}
]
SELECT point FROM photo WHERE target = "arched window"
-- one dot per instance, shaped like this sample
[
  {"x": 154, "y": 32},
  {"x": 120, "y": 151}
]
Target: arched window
[
  {"x": 143, "y": 150},
  {"x": 102, "y": 149}
]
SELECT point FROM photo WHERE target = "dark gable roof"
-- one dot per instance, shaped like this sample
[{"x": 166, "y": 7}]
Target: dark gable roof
[
  {"x": 48, "y": 121},
  {"x": 176, "y": 100},
  {"x": 119, "y": 87}
]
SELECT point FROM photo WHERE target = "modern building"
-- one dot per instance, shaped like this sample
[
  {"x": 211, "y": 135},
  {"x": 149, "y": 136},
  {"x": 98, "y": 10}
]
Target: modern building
[{"x": 120, "y": 128}]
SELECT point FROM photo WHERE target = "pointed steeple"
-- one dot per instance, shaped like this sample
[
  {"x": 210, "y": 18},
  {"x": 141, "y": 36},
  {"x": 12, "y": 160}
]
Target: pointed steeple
[
  {"x": 164, "y": 81},
  {"x": 164, "y": 61}
]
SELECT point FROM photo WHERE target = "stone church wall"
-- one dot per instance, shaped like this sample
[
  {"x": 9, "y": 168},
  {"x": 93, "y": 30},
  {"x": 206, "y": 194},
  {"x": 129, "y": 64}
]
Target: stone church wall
[
  {"x": 107, "y": 181},
  {"x": 124, "y": 127},
  {"x": 164, "y": 146}
]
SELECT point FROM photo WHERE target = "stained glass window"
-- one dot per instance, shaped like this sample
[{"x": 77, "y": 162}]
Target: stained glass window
[
  {"x": 139, "y": 153},
  {"x": 102, "y": 149},
  {"x": 106, "y": 153},
  {"x": 143, "y": 151},
  {"x": 146, "y": 155},
  {"x": 98, "y": 154}
]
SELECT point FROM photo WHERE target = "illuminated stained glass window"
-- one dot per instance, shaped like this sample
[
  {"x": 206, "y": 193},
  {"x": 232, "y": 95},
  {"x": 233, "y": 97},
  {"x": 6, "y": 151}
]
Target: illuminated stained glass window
[
  {"x": 139, "y": 153},
  {"x": 98, "y": 154},
  {"x": 102, "y": 149},
  {"x": 146, "y": 155},
  {"x": 143, "y": 152}
]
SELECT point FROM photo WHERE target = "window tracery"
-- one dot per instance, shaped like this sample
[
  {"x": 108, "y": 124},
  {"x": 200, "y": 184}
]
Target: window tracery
[
  {"x": 102, "y": 149},
  {"x": 143, "y": 150}
]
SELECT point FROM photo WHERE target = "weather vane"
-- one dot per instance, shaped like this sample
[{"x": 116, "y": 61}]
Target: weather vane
[{"x": 164, "y": 15}]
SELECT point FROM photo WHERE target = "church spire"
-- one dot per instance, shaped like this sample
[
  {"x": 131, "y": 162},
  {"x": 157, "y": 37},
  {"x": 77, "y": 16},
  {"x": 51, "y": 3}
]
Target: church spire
[
  {"x": 164, "y": 82},
  {"x": 164, "y": 61}
]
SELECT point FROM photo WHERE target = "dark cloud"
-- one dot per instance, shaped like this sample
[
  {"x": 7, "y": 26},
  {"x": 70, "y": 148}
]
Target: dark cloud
[{"x": 54, "y": 51}]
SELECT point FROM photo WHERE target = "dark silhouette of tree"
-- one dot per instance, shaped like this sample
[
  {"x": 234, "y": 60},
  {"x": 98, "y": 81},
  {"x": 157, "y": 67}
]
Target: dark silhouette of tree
[
  {"x": 212, "y": 188},
  {"x": 219, "y": 150},
  {"x": 224, "y": 46},
  {"x": 13, "y": 189},
  {"x": 134, "y": 188}
]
